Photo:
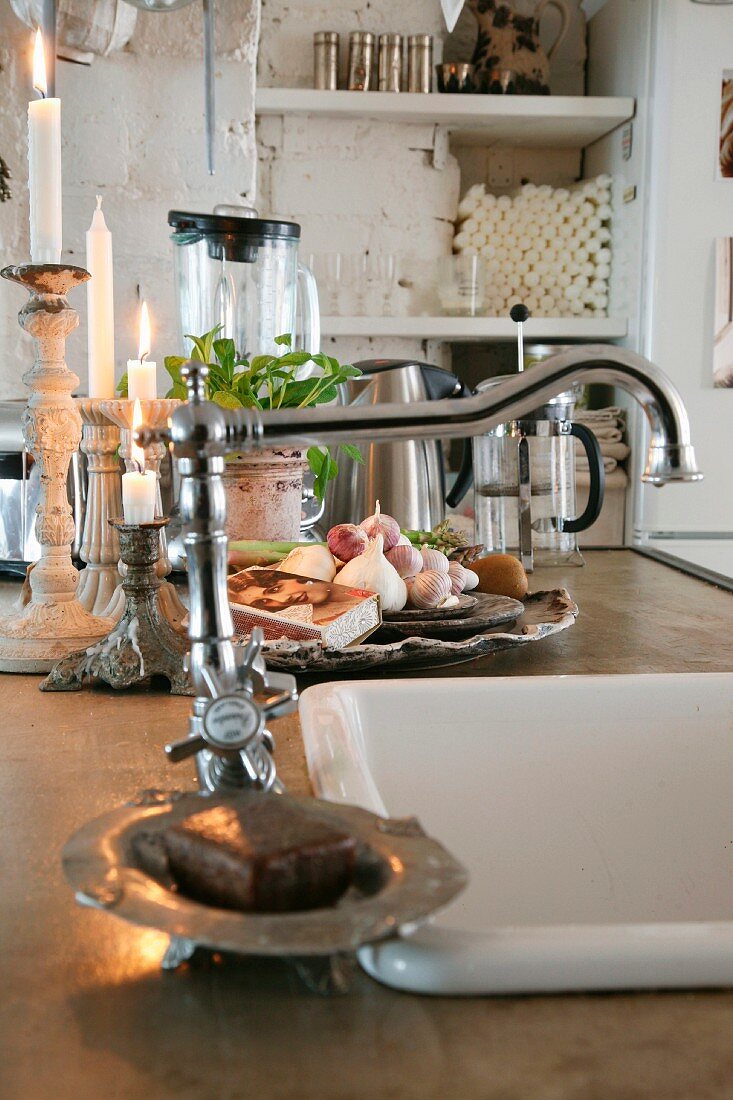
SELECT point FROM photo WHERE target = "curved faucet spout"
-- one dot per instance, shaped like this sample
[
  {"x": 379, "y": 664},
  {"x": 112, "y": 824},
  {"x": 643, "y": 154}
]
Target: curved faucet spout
[
  {"x": 671, "y": 456},
  {"x": 202, "y": 433}
]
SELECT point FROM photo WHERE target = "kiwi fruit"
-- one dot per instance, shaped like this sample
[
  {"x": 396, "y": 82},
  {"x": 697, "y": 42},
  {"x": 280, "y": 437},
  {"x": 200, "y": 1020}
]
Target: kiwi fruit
[{"x": 501, "y": 575}]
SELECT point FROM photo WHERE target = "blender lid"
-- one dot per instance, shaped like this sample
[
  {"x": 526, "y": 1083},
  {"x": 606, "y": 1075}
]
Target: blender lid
[{"x": 219, "y": 225}]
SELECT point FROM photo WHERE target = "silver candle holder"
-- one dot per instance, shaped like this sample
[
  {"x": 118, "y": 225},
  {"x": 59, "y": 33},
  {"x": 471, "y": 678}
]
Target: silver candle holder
[
  {"x": 49, "y": 621},
  {"x": 156, "y": 413},
  {"x": 143, "y": 644}
]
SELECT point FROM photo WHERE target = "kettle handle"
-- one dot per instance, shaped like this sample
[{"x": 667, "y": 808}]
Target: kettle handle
[
  {"x": 597, "y": 480},
  {"x": 565, "y": 21},
  {"x": 464, "y": 477}
]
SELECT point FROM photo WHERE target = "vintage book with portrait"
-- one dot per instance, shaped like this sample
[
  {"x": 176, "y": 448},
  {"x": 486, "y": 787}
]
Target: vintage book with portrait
[{"x": 288, "y": 606}]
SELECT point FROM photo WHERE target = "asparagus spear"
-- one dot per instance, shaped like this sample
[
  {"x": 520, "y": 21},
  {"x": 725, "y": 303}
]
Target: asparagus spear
[{"x": 246, "y": 552}]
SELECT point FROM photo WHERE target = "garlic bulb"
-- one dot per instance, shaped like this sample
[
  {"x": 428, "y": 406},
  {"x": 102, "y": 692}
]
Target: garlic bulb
[
  {"x": 385, "y": 526},
  {"x": 314, "y": 561},
  {"x": 403, "y": 540},
  {"x": 429, "y": 588},
  {"x": 406, "y": 559},
  {"x": 347, "y": 541},
  {"x": 457, "y": 575},
  {"x": 471, "y": 580},
  {"x": 449, "y": 601},
  {"x": 372, "y": 571},
  {"x": 434, "y": 559}
]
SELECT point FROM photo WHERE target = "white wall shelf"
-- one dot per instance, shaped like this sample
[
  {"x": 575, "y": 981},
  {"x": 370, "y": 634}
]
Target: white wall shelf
[
  {"x": 484, "y": 329},
  {"x": 569, "y": 122}
]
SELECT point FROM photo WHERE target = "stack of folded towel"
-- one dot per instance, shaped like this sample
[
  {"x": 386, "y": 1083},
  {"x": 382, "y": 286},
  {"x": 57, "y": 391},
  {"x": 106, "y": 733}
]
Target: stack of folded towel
[{"x": 608, "y": 426}]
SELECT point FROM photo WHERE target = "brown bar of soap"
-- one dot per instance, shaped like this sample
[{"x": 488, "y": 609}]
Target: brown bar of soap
[{"x": 263, "y": 855}]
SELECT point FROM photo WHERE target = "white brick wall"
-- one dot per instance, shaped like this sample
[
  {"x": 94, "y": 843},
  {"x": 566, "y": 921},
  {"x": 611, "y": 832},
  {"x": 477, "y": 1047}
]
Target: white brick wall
[
  {"x": 133, "y": 131},
  {"x": 355, "y": 186}
]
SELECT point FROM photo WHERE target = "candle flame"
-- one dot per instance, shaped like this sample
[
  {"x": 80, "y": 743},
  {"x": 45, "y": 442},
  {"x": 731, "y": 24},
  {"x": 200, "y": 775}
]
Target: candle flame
[
  {"x": 39, "y": 66},
  {"x": 137, "y": 454},
  {"x": 144, "y": 344}
]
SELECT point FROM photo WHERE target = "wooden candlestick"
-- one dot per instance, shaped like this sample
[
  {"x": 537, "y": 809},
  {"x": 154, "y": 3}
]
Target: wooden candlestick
[{"x": 48, "y": 620}]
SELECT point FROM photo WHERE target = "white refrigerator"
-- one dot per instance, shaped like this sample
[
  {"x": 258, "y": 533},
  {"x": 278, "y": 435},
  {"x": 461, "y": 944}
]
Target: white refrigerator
[{"x": 670, "y": 206}]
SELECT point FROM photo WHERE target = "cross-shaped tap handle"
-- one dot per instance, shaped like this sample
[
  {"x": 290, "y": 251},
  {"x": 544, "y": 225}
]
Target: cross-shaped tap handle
[{"x": 232, "y": 723}]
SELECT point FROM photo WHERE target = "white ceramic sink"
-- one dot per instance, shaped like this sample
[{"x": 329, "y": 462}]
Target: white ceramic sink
[{"x": 594, "y": 814}]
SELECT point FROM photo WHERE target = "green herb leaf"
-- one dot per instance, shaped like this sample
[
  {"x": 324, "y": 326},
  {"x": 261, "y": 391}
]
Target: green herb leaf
[
  {"x": 353, "y": 452},
  {"x": 179, "y": 391},
  {"x": 226, "y": 353},
  {"x": 294, "y": 359},
  {"x": 323, "y": 466},
  {"x": 328, "y": 471},
  {"x": 316, "y": 457},
  {"x": 286, "y": 340},
  {"x": 226, "y": 400},
  {"x": 122, "y": 385},
  {"x": 262, "y": 362},
  {"x": 173, "y": 364},
  {"x": 297, "y": 392}
]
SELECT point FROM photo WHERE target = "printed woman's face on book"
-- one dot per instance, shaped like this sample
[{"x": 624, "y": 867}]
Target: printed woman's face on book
[{"x": 286, "y": 591}]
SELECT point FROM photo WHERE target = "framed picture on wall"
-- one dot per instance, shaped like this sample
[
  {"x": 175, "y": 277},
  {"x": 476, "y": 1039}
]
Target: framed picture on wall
[
  {"x": 723, "y": 337},
  {"x": 725, "y": 149}
]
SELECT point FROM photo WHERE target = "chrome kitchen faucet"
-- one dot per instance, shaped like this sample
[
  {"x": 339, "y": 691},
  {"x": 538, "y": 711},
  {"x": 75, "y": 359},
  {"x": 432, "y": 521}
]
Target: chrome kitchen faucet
[{"x": 227, "y": 727}]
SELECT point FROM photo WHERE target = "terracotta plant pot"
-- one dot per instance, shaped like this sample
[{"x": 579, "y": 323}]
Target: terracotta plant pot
[{"x": 263, "y": 495}]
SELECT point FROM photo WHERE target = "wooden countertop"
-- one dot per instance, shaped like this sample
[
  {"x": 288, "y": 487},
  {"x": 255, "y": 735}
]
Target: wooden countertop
[{"x": 86, "y": 1012}]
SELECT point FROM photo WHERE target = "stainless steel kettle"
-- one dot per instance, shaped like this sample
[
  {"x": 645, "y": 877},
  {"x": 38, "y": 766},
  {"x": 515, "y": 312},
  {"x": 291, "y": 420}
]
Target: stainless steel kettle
[{"x": 408, "y": 479}]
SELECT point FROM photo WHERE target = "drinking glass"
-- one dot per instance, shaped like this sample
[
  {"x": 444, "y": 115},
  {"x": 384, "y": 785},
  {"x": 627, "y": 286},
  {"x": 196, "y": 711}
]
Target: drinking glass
[
  {"x": 461, "y": 285},
  {"x": 387, "y": 269},
  {"x": 355, "y": 278},
  {"x": 326, "y": 266}
]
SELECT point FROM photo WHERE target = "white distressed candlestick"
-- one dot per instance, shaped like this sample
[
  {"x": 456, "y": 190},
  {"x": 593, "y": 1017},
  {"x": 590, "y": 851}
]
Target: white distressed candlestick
[
  {"x": 48, "y": 622},
  {"x": 100, "y": 547}
]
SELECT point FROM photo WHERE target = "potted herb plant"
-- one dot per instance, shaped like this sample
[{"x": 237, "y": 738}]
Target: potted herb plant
[{"x": 264, "y": 488}]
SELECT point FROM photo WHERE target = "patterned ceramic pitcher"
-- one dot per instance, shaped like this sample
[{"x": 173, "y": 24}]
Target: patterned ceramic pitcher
[{"x": 510, "y": 42}]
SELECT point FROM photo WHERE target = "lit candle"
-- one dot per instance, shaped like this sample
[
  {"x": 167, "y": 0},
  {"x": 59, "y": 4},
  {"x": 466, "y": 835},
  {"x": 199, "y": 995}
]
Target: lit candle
[
  {"x": 100, "y": 307},
  {"x": 138, "y": 486},
  {"x": 44, "y": 166},
  {"x": 141, "y": 381}
]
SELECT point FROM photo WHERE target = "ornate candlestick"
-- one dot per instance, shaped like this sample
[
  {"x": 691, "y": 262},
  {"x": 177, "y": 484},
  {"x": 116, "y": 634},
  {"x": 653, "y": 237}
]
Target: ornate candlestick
[
  {"x": 50, "y": 621},
  {"x": 100, "y": 547},
  {"x": 156, "y": 414},
  {"x": 143, "y": 643}
]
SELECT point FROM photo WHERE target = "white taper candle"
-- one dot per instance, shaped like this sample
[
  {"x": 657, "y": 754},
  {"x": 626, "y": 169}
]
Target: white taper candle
[
  {"x": 44, "y": 167},
  {"x": 100, "y": 307}
]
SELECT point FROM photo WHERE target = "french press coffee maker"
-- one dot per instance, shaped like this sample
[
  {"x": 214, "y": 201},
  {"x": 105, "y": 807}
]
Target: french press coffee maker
[{"x": 524, "y": 474}]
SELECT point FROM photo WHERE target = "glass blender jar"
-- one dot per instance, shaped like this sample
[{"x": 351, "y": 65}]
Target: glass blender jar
[
  {"x": 525, "y": 484},
  {"x": 243, "y": 273}
]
